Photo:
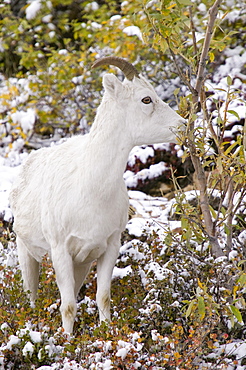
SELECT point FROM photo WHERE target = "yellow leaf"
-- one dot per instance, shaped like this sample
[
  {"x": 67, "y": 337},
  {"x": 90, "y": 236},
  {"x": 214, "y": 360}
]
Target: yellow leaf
[
  {"x": 211, "y": 56},
  {"x": 5, "y": 96},
  {"x": 234, "y": 291},
  {"x": 171, "y": 6},
  {"x": 200, "y": 284},
  {"x": 13, "y": 90},
  {"x": 211, "y": 344},
  {"x": 176, "y": 355}
]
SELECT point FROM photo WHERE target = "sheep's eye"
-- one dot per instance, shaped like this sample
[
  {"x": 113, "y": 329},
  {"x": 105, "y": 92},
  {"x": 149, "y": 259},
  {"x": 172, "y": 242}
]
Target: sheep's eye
[{"x": 147, "y": 100}]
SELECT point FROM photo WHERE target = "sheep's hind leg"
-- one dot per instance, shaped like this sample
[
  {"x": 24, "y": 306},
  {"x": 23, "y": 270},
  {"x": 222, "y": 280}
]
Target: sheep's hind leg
[
  {"x": 63, "y": 266},
  {"x": 105, "y": 266},
  {"x": 29, "y": 269}
]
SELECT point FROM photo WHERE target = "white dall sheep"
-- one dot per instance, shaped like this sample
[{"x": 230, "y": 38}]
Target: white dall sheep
[{"x": 71, "y": 201}]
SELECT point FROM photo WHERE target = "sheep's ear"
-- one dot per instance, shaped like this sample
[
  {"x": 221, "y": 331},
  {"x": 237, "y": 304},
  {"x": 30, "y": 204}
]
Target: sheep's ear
[{"x": 112, "y": 85}]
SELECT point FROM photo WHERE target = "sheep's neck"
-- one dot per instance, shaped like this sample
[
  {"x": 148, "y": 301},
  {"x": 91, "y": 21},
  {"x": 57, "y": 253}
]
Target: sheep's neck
[{"x": 110, "y": 148}]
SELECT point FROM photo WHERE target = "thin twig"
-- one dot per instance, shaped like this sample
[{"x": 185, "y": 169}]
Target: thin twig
[
  {"x": 213, "y": 11},
  {"x": 180, "y": 73},
  {"x": 193, "y": 32},
  {"x": 244, "y": 139}
]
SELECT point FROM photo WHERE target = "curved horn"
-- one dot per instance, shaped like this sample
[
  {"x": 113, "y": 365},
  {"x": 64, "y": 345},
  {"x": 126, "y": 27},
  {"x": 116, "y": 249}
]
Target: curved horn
[{"x": 127, "y": 68}]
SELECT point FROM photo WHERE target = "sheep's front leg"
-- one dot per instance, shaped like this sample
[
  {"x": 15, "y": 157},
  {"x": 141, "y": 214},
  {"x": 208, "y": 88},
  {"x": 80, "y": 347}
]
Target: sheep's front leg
[
  {"x": 105, "y": 266},
  {"x": 29, "y": 269},
  {"x": 63, "y": 266}
]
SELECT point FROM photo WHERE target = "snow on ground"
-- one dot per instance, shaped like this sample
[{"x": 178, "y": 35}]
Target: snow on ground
[
  {"x": 151, "y": 214},
  {"x": 7, "y": 177}
]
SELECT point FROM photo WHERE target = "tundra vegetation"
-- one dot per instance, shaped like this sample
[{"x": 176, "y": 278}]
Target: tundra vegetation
[{"x": 182, "y": 303}]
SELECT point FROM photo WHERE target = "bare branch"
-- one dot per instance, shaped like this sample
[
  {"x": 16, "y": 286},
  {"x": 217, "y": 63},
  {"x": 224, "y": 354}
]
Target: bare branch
[
  {"x": 230, "y": 195},
  {"x": 199, "y": 88},
  {"x": 204, "y": 202}
]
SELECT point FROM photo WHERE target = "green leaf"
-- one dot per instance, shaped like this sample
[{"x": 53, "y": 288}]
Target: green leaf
[
  {"x": 223, "y": 211},
  {"x": 229, "y": 80},
  {"x": 213, "y": 212},
  {"x": 218, "y": 89},
  {"x": 176, "y": 91},
  {"x": 184, "y": 2},
  {"x": 242, "y": 279},
  {"x": 156, "y": 16},
  {"x": 236, "y": 313},
  {"x": 231, "y": 147},
  {"x": 189, "y": 309},
  {"x": 184, "y": 223},
  {"x": 234, "y": 113},
  {"x": 201, "y": 307},
  {"x": 227, "y": 229}
]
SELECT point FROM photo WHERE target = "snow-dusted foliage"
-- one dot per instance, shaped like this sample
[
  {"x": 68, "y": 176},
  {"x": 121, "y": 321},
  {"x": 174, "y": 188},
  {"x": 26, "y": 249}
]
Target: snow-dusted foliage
[
  {"x": 174, "y": 306},
  {"x": 151, "y": 282}
]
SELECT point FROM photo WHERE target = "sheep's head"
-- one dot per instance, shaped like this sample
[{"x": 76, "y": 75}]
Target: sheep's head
[{"x": 148, "y": 118}]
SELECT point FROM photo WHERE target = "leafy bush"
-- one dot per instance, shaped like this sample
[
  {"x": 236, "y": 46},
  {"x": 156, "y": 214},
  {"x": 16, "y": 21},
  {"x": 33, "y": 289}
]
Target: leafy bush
[{"x": 173, "y": 308}]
